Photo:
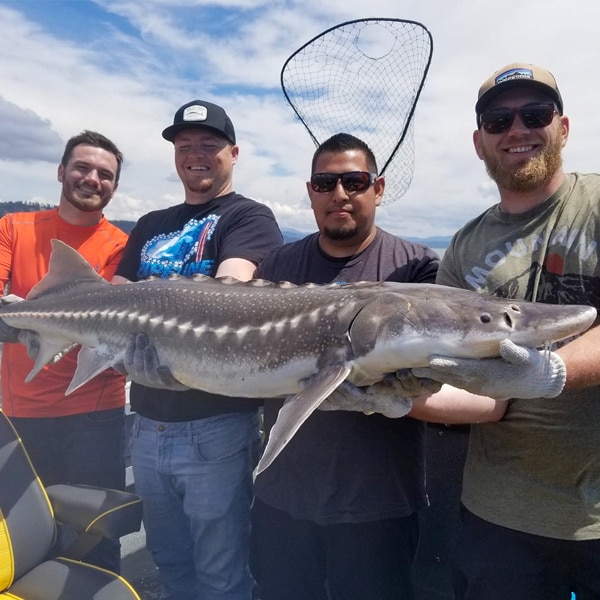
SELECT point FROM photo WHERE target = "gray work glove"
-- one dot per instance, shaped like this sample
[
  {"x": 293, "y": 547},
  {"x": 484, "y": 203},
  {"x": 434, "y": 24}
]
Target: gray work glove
[
  {"x": 408, "y": 384},
  {"x": 389, "y": 397},
  {"x": 143, "y": 366},
  {"x": 27, "y": 337},
  {"x": 8, "y": 334},
  {"x": 519, "y": 373},
  {"x": 31, "y": 339}
]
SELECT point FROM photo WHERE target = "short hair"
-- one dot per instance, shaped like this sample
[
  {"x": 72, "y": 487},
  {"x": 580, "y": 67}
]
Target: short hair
[
  {"x": 343, "y": 142},
  {"x": 93, "y": 138}
]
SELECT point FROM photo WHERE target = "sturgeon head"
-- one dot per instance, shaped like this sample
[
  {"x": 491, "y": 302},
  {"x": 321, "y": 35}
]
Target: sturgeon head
[{"x": 407, "y": 323}]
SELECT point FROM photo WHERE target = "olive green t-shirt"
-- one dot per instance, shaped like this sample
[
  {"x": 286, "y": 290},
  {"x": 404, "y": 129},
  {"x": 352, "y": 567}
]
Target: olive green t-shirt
[{"x": 538, "y": 469}]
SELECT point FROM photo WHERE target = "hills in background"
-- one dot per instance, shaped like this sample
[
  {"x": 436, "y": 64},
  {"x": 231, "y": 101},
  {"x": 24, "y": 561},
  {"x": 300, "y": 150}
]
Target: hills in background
[
  {"x": 10, "y": 207},
  {"x": 289, "y": 235}
]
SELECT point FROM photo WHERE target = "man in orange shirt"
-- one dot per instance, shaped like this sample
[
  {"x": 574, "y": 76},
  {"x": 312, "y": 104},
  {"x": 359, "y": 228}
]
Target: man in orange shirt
[{"x": 78, "y": 438}]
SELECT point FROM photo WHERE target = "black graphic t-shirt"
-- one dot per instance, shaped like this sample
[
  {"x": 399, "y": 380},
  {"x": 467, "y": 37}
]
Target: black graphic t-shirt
[{"x": 187, "y": 240}]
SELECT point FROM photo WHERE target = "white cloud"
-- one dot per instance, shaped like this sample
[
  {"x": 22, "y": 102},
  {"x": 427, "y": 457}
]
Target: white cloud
[
  {"x": 25, "y": 137},
  {"x": 126, "y": 73}
]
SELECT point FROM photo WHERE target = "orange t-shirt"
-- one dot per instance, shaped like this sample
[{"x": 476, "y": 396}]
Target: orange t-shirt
[{"x": 24, "y": 255}]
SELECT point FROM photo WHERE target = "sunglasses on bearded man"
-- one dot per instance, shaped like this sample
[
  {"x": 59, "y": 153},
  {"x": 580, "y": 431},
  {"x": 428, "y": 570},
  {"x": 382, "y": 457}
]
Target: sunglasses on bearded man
[{"x": 533, "y": 116}]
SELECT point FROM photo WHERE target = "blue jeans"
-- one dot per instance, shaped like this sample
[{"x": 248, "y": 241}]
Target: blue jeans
[
  {"x": 195, "y": 479},
  {"x": 87, "y": 448}
]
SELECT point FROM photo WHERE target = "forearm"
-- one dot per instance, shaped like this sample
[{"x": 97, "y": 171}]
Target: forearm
[
  {"x": 240, "y": 268},
  {"x": 455, "y": 406}
]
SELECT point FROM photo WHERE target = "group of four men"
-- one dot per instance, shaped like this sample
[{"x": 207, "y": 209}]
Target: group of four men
[{"x": 336, "y": 515}]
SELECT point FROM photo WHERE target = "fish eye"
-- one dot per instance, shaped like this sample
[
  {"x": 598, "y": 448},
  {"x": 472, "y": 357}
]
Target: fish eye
[{"x": 485, "y": 318}]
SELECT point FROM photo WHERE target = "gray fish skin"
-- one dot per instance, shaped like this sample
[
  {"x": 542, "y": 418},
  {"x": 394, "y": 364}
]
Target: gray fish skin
[{"x": 257, "y": 339}]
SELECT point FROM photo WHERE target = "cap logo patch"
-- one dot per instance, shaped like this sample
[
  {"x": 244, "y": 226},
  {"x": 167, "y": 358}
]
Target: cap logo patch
[
  {"x": 514, "y": 74},
  {"x": 195, "y": 113}
]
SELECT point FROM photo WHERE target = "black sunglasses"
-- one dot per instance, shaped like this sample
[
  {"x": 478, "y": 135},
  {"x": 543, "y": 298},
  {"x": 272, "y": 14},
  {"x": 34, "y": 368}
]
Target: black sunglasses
[
  {"x": 533, "y": 116},
  {"x": 353, "y": 181}
]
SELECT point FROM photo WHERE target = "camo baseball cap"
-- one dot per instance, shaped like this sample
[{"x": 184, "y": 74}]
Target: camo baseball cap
[
  {"x": 518, "y": 75},
  {"x": 199, "y": 113}
]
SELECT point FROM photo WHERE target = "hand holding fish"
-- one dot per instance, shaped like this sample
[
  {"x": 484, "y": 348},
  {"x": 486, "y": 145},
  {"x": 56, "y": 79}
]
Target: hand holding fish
[
  {"x": 407, "y": 384},
  {"x": 9, "y": 334},
  {"x": 390, "y": 397},
  {"x": 30, "y": 339},
  {"x": 379, "y": 397},
  {"x": 519, "y": 373},
  {"x": 143, "y": 366}
]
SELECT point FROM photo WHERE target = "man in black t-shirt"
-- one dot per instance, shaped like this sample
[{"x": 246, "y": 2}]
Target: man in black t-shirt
[
  {"x": 336, "y": 512},
  {"x": 193, "y": 452}
]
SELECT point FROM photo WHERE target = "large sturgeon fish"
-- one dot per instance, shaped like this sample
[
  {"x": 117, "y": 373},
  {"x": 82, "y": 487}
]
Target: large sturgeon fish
[{"x": 259, "y": 339}]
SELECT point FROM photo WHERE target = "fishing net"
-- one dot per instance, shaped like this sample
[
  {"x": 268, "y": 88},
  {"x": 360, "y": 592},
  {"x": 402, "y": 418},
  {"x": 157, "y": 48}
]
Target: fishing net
[{"x": 363, "y": 77}]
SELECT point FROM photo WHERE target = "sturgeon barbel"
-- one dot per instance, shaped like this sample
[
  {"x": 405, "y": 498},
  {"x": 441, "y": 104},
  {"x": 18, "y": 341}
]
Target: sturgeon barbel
[{"x": 261, "y": 340}]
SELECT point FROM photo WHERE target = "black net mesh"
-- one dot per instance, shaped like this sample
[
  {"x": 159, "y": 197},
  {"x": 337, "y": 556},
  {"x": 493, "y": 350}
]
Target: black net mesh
[{"x": 363, "y": 77}]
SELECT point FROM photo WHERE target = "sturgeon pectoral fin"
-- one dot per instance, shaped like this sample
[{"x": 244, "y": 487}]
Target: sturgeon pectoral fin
[
  {"x": 296, "y": 409},
  {"x": 91, "y": 362},
  {"x": 46, "y": 352}
]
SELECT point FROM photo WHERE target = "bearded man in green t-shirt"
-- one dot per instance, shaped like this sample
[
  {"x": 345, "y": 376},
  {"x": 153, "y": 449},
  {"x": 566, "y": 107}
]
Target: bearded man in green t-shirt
[{"x": 531, "y": 491}]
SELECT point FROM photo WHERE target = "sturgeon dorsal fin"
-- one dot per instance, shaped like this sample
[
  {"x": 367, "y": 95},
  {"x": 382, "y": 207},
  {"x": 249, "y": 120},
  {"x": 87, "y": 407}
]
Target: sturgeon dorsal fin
[{"x": 66, "y": 265}]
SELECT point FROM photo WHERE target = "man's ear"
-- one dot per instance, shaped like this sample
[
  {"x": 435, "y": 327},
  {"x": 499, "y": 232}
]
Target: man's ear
[
  {"x": 566, "y": 126},
  {"x": 235, "y": 153},
  {"x": 477, "y": 143},
  {"x": 379, "y": 187}
]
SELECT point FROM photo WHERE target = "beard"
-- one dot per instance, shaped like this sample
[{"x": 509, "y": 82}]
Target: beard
[
  {"x": 530, "y": 175},
  {"x": 200, "y": 186},
  {"x": 83, "y": 201},
  {"x": 341, "y": 233}
]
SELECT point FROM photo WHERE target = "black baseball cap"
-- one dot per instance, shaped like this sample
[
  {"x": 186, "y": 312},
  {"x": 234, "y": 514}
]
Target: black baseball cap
[{"x": 199, "y": 113}]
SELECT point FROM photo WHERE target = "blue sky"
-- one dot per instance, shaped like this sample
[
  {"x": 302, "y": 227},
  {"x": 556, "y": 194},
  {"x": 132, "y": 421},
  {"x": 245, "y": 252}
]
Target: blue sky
[{"x": 123, "y": 67}]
